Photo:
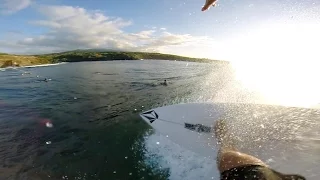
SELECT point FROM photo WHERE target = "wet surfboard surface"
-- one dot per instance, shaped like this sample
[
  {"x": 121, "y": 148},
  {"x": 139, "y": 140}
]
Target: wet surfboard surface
[{"x": 286, "y": 138}]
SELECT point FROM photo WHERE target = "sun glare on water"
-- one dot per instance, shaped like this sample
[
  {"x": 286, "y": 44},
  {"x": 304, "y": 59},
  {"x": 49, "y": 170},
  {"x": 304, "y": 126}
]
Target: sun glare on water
[{"x": 281, "y": 63}]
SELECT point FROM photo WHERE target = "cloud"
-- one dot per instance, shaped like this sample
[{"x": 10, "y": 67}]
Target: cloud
[
  {"x": 76, "y": 28},
  {"x": 12, "y": 6},
  {"x": 144, "y": 34}
]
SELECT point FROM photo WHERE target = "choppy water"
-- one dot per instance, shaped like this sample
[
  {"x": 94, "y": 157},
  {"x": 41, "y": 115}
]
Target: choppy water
[{"x": 96, "y": 133}]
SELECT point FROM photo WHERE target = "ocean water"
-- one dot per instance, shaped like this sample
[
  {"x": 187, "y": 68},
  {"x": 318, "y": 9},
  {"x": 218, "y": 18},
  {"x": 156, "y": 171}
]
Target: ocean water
[{"x": 83, "y": 123}]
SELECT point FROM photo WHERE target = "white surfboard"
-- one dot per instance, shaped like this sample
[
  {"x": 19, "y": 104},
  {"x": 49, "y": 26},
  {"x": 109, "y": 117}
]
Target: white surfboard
[
  {"x": 269, "y": 132},
  {"x": 189, "y": 125}
]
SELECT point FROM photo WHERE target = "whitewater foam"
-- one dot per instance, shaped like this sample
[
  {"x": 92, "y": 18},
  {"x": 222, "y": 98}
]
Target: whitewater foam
[
  {"x": 183, "y": 164},
  {"x": 44, "y": 65},
  {"x": 33, "y": 66}
]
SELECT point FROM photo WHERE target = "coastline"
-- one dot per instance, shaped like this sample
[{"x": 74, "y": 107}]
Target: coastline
[
  {"x": 44, "y": 65},
  {"x": 11, "y": 60}
]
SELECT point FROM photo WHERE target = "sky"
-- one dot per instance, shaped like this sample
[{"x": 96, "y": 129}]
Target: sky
[{"x": 234, "y": 30}]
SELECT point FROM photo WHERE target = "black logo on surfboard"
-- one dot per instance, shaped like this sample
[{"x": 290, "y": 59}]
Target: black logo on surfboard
[
  {"x": 198, "y": 128},
  {"x": 150, "y": 115}
]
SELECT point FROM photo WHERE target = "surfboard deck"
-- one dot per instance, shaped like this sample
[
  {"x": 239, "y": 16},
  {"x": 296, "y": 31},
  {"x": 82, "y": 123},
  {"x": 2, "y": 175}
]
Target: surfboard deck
[
  {"x": 267, "y": 132},
  {"x": 189, "y": 125}
]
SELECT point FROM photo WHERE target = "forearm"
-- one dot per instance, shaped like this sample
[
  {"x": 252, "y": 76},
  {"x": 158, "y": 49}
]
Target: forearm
[
  {"x": 228, "y": 159},
  {"x": 208, "y": 4}
]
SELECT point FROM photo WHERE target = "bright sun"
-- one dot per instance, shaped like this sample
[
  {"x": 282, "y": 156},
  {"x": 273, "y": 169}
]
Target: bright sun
[{"x": 281, "y": 62}]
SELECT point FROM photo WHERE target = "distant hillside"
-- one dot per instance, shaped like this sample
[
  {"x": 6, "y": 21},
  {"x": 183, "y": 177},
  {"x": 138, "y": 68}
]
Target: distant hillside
[
  {"x": 89, "y": 55},
  {"x": 7, "y": 60},
  {"x": 94, "y": 50}
]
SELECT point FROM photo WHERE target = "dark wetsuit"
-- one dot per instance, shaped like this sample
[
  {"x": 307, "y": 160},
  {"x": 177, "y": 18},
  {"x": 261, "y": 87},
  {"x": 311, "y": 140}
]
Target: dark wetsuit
[{"x": 256, "y": 172}]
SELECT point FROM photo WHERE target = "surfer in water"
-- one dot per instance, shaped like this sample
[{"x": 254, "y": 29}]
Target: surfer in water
[
  {"x": 44, "y": 80},
  {"x": 164, "y": 83},
  {"x": 235, "y": 165}
]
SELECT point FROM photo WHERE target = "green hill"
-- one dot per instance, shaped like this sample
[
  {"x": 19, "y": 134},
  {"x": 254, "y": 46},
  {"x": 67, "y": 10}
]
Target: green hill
[
  {"x": 21, "y": 60},
  {"x": 89, "y": 55}
]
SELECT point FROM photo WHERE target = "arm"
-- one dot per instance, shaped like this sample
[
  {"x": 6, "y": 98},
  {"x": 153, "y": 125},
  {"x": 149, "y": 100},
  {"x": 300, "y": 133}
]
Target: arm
[{"x": 208, "y": 4}]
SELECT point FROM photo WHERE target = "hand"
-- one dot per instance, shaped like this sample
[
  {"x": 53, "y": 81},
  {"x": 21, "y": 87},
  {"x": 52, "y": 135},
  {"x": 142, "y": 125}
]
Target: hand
[{"x": 208, "y": 4}]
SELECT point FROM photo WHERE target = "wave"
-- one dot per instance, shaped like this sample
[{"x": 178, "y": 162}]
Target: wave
[
  {"x": 44, "y": 65},
  {"x": 105, "y": 74},
  {"x": 161, "y": 153},
  {"x": 8, "y": 68},
  {"x": 33, "y": 66}
]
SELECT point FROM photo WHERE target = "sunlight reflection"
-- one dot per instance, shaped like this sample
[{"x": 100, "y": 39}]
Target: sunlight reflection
[{"x": 281, "y": 63}]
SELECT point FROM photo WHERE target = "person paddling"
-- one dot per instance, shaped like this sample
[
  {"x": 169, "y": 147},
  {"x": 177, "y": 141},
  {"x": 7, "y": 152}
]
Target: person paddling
[{"x": 165, "y": 83}]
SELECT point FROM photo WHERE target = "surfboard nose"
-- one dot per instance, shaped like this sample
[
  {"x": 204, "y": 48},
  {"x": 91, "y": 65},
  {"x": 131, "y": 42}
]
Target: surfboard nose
[{"x": 149, "y": 116}]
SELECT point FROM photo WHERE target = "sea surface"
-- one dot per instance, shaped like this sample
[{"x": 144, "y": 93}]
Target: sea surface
[{"x": 80, "y": 120}]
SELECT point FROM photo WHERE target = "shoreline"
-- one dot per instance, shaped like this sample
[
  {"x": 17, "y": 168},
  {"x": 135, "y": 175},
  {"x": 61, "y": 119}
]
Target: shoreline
[
  {"x": 11, "y": 60},
  {"x": 43, "y": 65},
  {"x": 32, "y": 66}
]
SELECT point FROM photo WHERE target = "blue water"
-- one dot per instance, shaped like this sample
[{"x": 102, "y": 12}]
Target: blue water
[
  {"x": 96, "y": 133},
  {"x": 93, "y": 108}
]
